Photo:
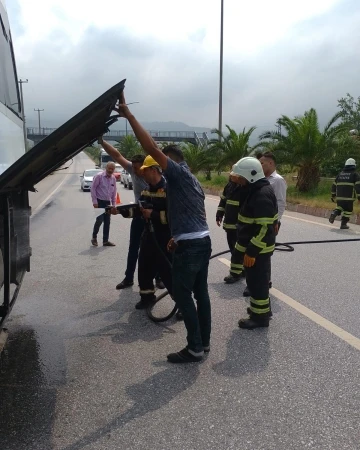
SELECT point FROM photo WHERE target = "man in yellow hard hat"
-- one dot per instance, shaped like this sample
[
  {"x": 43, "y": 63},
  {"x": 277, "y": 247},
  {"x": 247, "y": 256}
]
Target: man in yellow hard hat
[{"x": 154, "y": 257}]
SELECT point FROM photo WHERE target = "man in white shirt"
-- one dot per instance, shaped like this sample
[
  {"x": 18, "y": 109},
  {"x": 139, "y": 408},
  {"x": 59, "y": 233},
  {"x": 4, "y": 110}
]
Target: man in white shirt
[
  {"x": 277, "y": 182},
  {"x": 268, "y": 162}
]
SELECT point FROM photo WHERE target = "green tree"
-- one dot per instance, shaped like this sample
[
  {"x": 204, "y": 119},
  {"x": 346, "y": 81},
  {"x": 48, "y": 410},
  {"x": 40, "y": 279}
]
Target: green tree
[
  {"x": 350, "y": 111},
  {"x": 129, "y": 146},
  {"x": 198, "y": 157},
  {"x": 232, "y": 146},
  {"x": 94, "y": 153},
  {"x": 306, "y": 147}
]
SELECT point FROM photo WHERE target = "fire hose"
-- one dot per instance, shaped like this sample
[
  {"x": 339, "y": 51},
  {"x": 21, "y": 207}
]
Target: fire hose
[{"x": 279, "y": 246}]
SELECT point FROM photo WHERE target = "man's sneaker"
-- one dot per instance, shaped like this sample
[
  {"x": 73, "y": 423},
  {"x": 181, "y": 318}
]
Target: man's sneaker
[
  {"x": 332, "y": 218},
  {"x": 109, "y": 244},
  {"x": 251, "y": 324},
  {"x": 94, "y": 242},
  {"x": 248, "y": 310},
  {"x": 184, "y": 356},
  {"x": 159, "y": 284},
  {"x": 230, "y": 279},
  {"x": 124, "y": 284},
  {"x": 143, "y": 304}
]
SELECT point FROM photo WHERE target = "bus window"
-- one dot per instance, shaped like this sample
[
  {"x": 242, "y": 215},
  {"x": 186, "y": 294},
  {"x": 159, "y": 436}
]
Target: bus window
[{"x": 9, "y": 90}]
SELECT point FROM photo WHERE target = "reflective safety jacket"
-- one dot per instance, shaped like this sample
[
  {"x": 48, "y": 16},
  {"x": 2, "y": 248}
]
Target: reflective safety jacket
[
  {"x": 257, "y": 219},
  {"x": 156, "y": 196},
  {"x": 230, "y": 201},
  {"x": 346, "y": 185}
]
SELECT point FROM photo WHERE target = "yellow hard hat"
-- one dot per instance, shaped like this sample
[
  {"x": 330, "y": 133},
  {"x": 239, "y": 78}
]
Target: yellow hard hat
[{"x": 149, "y": 161}]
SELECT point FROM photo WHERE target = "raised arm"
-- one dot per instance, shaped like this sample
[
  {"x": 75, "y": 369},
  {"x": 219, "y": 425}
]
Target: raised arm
[
  {"x": 146, "y": 141},
  {"x": 114, "y": 153}
]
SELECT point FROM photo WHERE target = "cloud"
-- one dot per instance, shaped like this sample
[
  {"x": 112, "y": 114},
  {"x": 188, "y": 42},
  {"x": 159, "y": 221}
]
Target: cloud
[{"x": 270, "y": 67}]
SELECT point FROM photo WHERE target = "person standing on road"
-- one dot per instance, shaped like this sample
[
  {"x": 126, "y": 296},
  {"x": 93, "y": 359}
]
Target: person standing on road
[
  {"x": 190, "y": 241},
  {"x": 153, "y": 256},
  {"x": 255, "y": 245},
  {"x": 344, "y": 190},
  {"x": 137, "y": 224},
  {"x": 277, "y": 182},
  {"x": 228, "y": 211},
  {"x": 103, "y": 194}
]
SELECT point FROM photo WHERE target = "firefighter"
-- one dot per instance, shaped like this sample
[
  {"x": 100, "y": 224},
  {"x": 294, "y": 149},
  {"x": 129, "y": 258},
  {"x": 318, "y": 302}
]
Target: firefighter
[
  {"x": 153, "y": 257},
  {"x": 255, "y": 245},
  {"x": 344, "y": 190},
  {"x": 227, "y": 212}
]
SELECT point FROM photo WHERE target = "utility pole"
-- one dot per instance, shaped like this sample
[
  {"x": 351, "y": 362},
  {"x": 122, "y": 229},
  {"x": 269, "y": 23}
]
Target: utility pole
[
  {"x": 21, "y": 82},
  {"x": 39, "y": 111},
  {"x": 221, "y": 66}
]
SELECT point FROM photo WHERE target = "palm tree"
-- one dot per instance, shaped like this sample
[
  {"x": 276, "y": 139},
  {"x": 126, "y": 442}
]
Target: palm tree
[
  {"x": 232, "y": 146},
  {"x": 129, "y": 146},
  {"x": 197, "y": 157},
  {"x": 305, "y": 146}
]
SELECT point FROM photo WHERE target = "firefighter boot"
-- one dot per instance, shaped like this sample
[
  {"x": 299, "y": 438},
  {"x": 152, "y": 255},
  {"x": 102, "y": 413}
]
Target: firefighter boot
[
  {"x": 254, "y": 322},
  {"x": 333, "y": 215},
  {"x": 230, "y": 279},
  {"x": 344, "y": 225},
  {"x": 248, "y": 310}
]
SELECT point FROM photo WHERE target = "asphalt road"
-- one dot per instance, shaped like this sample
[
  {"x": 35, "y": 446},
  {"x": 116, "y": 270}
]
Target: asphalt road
[{"x": 83, "y": 369}]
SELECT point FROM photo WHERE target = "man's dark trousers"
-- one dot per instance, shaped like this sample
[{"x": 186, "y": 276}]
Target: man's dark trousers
[
  {"x": 136, "y": 230},
  {"x": 102, "y": 219},
  {"x": 190, "y": 273},
  {"x": 231, "y": 236},
  {"x": 154, "y": 259}
]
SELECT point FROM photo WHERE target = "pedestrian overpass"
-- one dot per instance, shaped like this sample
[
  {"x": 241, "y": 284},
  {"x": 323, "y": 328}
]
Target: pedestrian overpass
[{"x": 38, "y": 134}]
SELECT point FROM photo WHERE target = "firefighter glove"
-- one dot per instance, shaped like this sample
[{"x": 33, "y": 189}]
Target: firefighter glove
[{"x": 248, "y": 261}]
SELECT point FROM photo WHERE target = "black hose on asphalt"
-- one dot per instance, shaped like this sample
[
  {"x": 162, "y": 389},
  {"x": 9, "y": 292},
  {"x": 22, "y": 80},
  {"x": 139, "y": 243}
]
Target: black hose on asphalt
[{"x": 279, "y": 246}]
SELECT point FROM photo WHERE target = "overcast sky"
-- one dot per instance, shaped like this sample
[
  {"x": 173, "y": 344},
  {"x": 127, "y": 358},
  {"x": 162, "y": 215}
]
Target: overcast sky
[{"x": 280, "y": 57}]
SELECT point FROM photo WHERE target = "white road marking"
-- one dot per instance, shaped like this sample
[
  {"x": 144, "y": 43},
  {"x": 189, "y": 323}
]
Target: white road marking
[
  {"x": 38, "y": 208},
  {"x": 319, "y": 320}
]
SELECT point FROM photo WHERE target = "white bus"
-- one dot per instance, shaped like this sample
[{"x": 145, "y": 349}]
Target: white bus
[
  {"x": 104, "y": 159},
  {"x": 20, "y": 172},
  {"x": 12, "y": 144}
]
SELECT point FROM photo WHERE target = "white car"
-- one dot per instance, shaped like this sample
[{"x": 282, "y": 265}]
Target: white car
[
  {"x": 87, "y": 178},
  {"x": 126, "y": 180},
  {"x": 122, "y": 171}
]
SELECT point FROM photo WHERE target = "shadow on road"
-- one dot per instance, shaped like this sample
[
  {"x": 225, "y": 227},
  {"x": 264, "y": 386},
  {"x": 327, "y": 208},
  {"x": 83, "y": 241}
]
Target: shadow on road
[
  {"x": 137, "y": 328},
  {"x": 152, "y": 394},
  {"x": 247, "y": 352}
]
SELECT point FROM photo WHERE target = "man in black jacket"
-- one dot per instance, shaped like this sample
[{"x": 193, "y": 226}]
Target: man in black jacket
[
  {"x": 153, "y": 257},
  {"x": 227, "y": 212},
  {"x": 344, "y": 190},
  {"x": 255, "y": 245}
]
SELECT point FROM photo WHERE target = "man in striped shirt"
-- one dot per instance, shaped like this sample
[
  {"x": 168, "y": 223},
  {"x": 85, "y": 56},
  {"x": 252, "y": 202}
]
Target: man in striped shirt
[{"x": 103, "y": 194}]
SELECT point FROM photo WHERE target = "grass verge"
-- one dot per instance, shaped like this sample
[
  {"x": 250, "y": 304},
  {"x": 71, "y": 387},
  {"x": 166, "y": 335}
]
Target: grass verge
[{"x": 319, "y": 197}]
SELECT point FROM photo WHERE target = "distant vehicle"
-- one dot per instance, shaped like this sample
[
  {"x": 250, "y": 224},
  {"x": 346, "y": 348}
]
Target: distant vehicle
[
  {"x": 122, "y": 172},
  {"x": 127, "y": 180},
  {"x": 117, "y": 172},
  {"x": 104, "y": 159},
  {"x": 87, "y": 178}
]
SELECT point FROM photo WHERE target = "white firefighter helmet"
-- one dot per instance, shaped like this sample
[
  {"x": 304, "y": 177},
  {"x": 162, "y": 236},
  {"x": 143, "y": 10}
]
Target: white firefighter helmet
[
  {"x": 350, "y": 162},
  {"x": 248, "y": 168},
  {"x": 353, "y": 132}
]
